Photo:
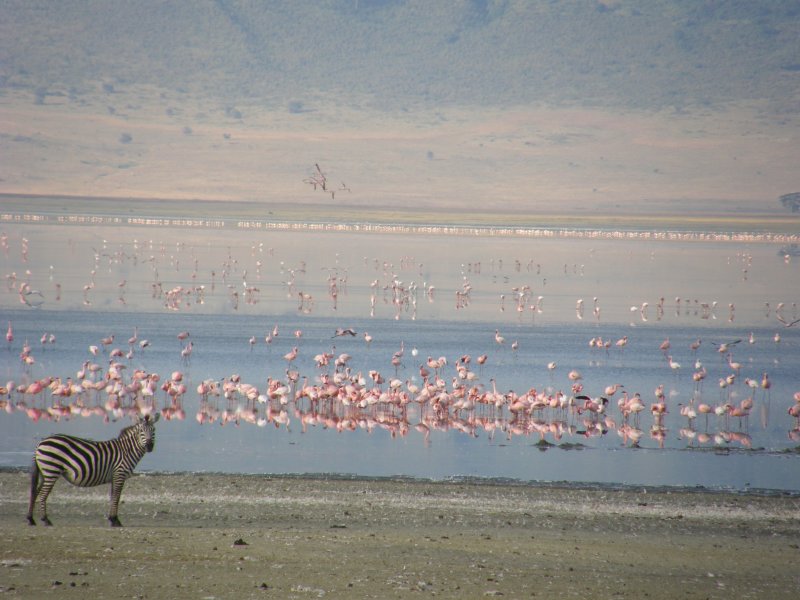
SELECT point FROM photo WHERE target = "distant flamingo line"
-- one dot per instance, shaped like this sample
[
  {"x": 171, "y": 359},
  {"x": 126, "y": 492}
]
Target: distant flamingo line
[{"x": 402, "y": 296}]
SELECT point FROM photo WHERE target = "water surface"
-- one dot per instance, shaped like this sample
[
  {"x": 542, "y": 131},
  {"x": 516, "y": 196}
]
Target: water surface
[{"x": 424, "y": 296}]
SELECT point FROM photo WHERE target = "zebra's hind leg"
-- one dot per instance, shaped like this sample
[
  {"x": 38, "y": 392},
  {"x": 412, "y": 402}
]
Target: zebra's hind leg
[
  {"x": 41, "y": 497},
  {"x": 40, "y": 488},
  {"x": 34, "y": 491}
]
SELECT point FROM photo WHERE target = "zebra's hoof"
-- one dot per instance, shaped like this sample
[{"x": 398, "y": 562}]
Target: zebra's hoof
[
  {"x": 46, "y": 522},
  {"x": 31, "y": 522},
  {"x": 114, "y": 522}
]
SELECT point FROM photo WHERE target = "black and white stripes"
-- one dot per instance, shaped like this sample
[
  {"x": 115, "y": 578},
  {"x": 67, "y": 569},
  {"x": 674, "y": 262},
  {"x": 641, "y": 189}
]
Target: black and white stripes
[{"x": 87, "y": 463}]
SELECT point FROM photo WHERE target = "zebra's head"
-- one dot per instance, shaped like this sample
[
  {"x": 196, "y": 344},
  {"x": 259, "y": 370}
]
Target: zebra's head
[{"x": 147, "y": 431}]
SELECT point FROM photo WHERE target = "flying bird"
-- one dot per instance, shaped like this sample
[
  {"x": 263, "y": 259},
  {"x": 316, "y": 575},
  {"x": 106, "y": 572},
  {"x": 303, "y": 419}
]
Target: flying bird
[
  {"x": 787, "y": 323},
  {"x": 725, "y": 346},
  {"x": 346, "y": 331}
]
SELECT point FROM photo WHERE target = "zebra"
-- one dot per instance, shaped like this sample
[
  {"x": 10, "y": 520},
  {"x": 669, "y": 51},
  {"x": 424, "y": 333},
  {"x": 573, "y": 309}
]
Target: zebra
[{"x": 87, "y": 463}]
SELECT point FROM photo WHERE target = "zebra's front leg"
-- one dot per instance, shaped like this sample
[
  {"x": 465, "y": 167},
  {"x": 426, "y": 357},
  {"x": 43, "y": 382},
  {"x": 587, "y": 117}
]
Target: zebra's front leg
[{"x": 116, "y": 492}]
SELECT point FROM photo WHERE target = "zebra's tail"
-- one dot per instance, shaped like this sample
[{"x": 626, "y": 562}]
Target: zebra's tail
[{"x": 36, "y": 476}]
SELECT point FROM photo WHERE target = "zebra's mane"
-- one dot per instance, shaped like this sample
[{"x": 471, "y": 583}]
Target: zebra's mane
[{"x": 129, "y": 430}]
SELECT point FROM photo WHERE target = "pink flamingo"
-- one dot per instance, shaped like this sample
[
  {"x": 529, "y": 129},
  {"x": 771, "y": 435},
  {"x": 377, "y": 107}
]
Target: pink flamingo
[
  {"x": 766, "y": 384},
  {"x": 704, "y": 409},
  {"x": 291, "y": 355}
]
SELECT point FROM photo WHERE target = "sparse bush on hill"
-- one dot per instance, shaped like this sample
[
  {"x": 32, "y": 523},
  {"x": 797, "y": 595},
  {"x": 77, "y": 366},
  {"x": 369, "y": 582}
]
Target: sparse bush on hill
[
  {"x": 232, "y": 112},
  {"x": 791, "y": 201}
]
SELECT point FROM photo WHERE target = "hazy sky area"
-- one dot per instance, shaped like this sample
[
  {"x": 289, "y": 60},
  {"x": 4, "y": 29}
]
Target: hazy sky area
[{"x": 515, "y": 105}]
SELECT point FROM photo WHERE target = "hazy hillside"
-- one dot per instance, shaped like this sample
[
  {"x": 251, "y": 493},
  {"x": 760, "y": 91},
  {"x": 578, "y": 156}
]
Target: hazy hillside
[{"x": 390, "y": 53}]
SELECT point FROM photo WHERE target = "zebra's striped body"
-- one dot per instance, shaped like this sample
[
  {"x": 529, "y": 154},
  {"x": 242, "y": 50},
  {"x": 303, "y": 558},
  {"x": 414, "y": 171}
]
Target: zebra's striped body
[{"x": 87, "y": 463}]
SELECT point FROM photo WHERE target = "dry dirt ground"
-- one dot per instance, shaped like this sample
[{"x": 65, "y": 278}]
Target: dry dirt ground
[
  {"x": 228, "y": 536},
  {"x": 515, "y": 159}
]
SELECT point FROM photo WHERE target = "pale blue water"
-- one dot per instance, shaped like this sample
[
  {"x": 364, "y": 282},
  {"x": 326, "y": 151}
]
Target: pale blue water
[
  {"x": 221, "y": 348},
  {"x": 759, "y": 452}
]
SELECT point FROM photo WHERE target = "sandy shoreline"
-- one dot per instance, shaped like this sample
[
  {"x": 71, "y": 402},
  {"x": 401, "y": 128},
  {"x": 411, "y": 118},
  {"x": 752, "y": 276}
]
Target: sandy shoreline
[{"x": 230, "y": 536}]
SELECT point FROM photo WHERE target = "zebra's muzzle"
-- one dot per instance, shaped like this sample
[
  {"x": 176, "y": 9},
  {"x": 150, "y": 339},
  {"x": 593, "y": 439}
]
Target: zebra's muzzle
[{"x": 149, "y": 446}]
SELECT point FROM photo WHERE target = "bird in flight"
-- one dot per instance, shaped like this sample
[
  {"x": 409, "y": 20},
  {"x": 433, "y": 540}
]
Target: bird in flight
[
  {"x": 788, "y": 323},
  {"x": 725, "y": 346},
  {"x": 345, "y": 331}
]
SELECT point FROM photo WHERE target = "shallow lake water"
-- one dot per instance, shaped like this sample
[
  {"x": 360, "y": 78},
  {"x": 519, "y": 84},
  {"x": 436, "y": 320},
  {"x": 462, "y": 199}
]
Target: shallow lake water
[{"x": 249, "y": 297}]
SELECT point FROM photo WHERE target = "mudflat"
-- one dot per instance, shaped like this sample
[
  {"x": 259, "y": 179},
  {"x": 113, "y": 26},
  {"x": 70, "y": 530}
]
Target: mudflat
[{"x": 259, "y": 536}]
